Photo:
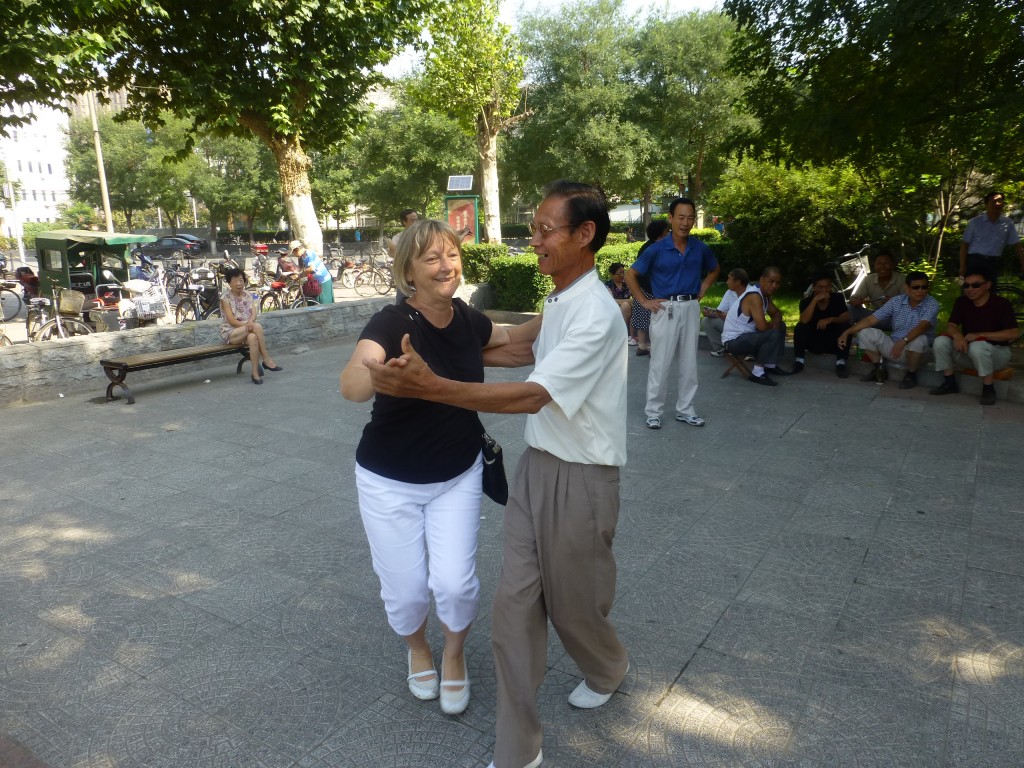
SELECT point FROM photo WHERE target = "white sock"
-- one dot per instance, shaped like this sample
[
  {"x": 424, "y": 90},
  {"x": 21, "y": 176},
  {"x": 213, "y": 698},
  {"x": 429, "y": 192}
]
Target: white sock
[
  {"x": 758, "y": 371},
  {"x": 840, "y": 362},
  {"x": 798, "y": 359}
]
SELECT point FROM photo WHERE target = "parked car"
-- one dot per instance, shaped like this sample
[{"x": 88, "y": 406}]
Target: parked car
[
  {"x": 192, "y": 238},
  {"x": 168, "y": 248}
]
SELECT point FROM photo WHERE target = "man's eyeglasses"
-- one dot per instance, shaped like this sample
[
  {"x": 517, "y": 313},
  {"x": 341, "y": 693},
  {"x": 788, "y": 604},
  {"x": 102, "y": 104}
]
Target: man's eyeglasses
[
  {"x": 919, "y": 287},
  {"x": 974, "y": 285},
  {"x": 543, "y": 229}
]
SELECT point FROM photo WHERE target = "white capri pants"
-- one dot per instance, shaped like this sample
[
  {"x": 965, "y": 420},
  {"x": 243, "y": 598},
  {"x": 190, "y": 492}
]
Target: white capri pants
[
  {"x": 423, "y": 540},
  {"x": 874, "y": 340}
]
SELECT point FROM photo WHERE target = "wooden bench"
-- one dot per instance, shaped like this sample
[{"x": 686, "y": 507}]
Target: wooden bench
[{"x": 117, "y": 368}]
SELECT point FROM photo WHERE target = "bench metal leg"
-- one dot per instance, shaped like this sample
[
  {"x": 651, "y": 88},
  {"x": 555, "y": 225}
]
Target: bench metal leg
[
  {"x": 116, "y": 376},
  {"x": 244, "y": 352}
]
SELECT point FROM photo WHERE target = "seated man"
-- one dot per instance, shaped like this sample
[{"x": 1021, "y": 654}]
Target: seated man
[
  {"x": 714, "y": 319},
  {"x": 823, "y": 317},
  {"x": 753, "y": 326},
  {"x": 913, "y": 318},
  {"x": 877, "y": 288},
  {"x": 978, "y": 335}
]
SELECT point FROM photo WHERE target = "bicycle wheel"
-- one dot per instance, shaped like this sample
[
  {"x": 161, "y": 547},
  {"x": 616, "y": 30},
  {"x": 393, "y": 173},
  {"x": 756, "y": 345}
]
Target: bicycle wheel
[
  {"x": 10, "y": 302},
  {"x": 348, "y": 278},
  {"x": 303, "y": 301},
  {"x": 186, "y": 311},
  {"x": 270, "y": 302},
  {"x": 67, "y": 329},
  {"x": 33, "y": 322},
  {"x": 368, "y": 283},
  {"x": 387, "y": 281},
  {"x": 172, "y": 282}
]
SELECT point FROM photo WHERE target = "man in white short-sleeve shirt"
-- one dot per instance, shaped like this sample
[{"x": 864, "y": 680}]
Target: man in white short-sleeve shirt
[{"x": 564, "y": 496}]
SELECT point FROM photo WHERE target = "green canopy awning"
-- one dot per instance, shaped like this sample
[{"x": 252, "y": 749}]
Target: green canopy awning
[{"x": 94, "y": 238}]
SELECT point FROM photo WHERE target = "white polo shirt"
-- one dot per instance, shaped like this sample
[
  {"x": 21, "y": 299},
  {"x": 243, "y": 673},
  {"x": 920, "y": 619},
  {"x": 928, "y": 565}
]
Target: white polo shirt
[{"x": 581, "y": 360}]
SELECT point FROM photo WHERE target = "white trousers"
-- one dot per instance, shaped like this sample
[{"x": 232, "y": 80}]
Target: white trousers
[
  {"x": 423, "y": 540},
  {"x": 673, "y": 338},
  {"x": 983, "y": 357}
]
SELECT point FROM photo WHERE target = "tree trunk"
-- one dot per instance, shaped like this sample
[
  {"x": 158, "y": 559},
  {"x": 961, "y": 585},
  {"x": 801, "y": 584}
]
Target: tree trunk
[
  {"x": 293, "y": 166},
  {"x": 128, "y": 220},
  {"x": 487, "y": 147},
  {"x": 648, "y": 202}
]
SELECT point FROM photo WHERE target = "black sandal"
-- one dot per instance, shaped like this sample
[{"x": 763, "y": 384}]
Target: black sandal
[{"x": 256, "y": 381}]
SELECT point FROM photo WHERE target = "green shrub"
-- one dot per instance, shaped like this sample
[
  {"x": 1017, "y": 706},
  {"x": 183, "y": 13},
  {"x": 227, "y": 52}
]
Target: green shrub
[
  {"x": 707, "y": 235},
  {"x": 518, "y": 285},
  {"x": 624, "y": 253},
  {"x": 32, "y": 228},
  {"x": 477, "y": 259},
  {"x": 616, "y": 238}
]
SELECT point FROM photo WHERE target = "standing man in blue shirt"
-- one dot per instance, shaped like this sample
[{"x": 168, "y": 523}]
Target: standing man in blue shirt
[
  {"x": 675, "y": 265},
  {"x": 986, "y": 237}
]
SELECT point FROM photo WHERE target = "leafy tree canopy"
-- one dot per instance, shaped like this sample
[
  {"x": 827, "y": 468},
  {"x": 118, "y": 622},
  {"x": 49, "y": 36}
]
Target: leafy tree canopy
[
  {"x": 404, "y": 156},
  {"x": 48, "y": 51},
  {"x": 846, "y": 78}
]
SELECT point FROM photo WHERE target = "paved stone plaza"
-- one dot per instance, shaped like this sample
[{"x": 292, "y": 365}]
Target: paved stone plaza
[{"x": 830, "y": 573}]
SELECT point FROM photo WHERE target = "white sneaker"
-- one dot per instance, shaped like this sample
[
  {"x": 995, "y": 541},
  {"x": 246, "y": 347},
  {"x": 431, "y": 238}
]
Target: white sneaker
[
  {"x": 653, "y": 422},
  {"x": 717, "y": 352},
  {"x": 693, "y": 421},
  {"x": 631, "y": 342},
  {"x": 532, "y": 764},
  {"x": 584, "y": 698}
]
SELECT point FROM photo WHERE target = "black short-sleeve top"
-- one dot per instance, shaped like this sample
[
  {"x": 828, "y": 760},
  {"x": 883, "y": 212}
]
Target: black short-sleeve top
[{"x": 416, "y": 441}]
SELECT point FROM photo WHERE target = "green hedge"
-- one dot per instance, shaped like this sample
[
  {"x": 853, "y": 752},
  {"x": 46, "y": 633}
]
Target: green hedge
[
  {"x": 477, "y": 260},
  {"x": 518, "y": 285}
]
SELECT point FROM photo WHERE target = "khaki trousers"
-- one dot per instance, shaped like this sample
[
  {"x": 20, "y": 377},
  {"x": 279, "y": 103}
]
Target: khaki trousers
[{"x": 557, "y": 564}]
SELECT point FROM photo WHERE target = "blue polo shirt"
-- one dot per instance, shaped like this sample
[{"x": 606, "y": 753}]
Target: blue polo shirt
[{"x": 673, "y": 272}]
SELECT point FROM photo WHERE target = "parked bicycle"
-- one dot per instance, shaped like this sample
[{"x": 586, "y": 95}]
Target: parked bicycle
[
  {"x": 42, "y": 324},
  {"x": 852, "y": 267},
  {"x": 200, "y": 296},
  {"x": 10, "y": 299},
  {"x": 286, "y": 294},
  {"x": 375, "y": 277}
]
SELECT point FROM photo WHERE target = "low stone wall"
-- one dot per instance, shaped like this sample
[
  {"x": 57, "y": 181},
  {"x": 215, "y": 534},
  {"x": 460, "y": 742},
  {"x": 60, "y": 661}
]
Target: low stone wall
[{"x": 42, "y": 371}]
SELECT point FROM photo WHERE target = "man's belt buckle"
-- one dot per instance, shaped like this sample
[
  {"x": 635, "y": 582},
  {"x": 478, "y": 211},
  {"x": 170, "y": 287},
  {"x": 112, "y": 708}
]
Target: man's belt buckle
[{"x": 683, "y": 297}]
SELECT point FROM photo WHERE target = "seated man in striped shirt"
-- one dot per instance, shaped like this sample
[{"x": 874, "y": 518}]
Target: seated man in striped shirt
[{"x": 913, "y": 317}]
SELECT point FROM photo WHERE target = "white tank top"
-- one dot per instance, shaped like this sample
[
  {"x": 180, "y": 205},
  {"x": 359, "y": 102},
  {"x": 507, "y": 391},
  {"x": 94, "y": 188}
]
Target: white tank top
[{"x": 736, "y": 323}]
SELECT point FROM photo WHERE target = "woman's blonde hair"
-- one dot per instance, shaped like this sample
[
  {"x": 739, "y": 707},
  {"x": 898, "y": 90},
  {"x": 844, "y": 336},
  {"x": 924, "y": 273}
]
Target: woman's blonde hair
[{"x": 414, "y": 241}]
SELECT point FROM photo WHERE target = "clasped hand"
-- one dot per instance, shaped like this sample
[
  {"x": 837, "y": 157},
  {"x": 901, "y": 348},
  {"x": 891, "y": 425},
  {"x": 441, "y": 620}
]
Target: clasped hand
[{"x": 405, "y": 376}]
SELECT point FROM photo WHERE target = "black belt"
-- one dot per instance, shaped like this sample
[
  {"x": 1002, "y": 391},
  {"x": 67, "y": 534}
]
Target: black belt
[{"x": 683, "y": 297}]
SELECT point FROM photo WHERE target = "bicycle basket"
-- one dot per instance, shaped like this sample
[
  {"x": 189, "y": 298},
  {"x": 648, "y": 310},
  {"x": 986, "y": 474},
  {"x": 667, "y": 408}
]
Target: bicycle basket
[
  {"x": 856, "y": 266},
  {"x": 149, "y": 306},
  {"x": 70, "y": 302},
  {"x": 203, "y": 275}
]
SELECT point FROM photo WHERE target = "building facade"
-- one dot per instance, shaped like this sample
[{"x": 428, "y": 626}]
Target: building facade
[{"x": 34, "y": 158}]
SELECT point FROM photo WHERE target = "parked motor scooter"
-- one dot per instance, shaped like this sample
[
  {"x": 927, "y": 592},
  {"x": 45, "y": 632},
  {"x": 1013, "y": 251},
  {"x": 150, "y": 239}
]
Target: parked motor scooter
[{"x": 139, "y": 303}]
